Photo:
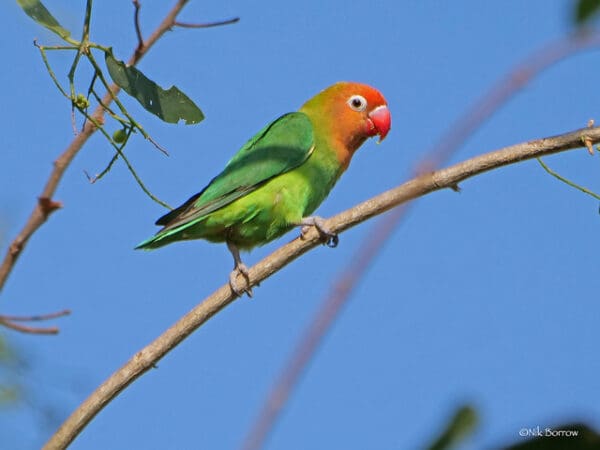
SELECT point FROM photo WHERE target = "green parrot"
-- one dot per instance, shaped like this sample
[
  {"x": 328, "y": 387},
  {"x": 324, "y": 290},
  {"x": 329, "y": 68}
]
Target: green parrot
[{"x": 280, "y": 176}]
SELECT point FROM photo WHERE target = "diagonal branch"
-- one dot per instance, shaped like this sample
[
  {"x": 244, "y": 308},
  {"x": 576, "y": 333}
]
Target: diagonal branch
[
  {"x": 421, "y": 185},
  {"x": 41, "y": 211}
]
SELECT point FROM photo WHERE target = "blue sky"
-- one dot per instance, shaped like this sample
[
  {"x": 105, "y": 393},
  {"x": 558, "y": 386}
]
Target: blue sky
[{"x": 489, "y": 296}]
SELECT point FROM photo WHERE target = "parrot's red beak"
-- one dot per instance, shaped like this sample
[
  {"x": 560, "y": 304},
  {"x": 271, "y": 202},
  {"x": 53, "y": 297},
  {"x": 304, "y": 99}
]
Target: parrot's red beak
[{"x": 380, "y": 122}]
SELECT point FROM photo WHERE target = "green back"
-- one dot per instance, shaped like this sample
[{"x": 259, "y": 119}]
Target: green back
[{"x": 279, "y": 147}]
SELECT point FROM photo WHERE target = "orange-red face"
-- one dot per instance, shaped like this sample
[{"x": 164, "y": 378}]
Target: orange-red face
[
  {"x": 351, "y": 113},
  {"x": 367, "y": 106}
]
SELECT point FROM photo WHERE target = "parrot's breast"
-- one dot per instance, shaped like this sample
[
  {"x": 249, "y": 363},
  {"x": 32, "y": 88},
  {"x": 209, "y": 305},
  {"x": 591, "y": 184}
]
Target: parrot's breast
[{"x": 272, "y": 209}]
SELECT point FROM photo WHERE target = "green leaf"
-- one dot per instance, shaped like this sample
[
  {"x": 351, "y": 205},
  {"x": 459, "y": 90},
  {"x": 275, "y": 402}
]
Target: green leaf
[
  {"x": 460, "y": 425},
  {"x": 585, "y": 9},
  {"x": 38, "y": 12},
  {"x": 170, "y": 105}
]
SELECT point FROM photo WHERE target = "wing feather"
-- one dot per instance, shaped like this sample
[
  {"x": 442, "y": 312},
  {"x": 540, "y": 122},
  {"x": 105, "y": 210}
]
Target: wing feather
[{"x": 279, "y": 147}]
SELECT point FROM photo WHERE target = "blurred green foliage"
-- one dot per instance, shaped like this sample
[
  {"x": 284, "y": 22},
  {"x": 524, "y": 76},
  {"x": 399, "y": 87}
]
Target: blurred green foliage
[{"x": 585, "y": 10}]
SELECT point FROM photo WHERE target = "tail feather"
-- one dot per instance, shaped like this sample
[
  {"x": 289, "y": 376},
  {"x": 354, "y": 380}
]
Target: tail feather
[{"x": 160, "y": 239}]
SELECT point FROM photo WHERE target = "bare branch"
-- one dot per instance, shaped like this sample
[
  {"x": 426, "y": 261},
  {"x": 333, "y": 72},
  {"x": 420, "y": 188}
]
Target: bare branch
[
  {"x": 421, "y": 185},
  {"x": 9, "y": 322},
  {"x": 208, "y": 24},
  {"x": 138, "y": 30},
  {"x": 39, "y": 214},
  {"x": 27, "y": 329},
  {"x": 37, "y": 318}
]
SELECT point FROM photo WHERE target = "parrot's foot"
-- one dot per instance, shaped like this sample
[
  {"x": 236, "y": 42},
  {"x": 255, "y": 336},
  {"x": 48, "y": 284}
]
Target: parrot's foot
[
  {"x": 239, "y": 268},
  {"x": 329, "y": 238}
]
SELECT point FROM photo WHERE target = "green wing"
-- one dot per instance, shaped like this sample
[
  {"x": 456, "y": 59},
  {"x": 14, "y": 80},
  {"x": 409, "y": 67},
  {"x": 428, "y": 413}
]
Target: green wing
[{"x": 279, "y": 147}]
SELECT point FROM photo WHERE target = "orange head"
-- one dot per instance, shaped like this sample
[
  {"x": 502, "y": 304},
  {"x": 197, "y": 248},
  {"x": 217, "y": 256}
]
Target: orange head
[{"x": 348, "y": 113}]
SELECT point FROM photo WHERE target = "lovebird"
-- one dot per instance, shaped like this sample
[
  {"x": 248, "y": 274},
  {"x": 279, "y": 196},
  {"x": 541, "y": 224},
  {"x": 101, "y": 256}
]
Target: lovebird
[{"x": 280, "y": 176}]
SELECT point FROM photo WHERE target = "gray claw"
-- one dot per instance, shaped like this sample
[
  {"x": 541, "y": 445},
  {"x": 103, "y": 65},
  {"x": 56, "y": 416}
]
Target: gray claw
[
  {"x": 329, "y": 238},
  {"x": 243, "y": 270},
  {"x": 238, "y": 268}
]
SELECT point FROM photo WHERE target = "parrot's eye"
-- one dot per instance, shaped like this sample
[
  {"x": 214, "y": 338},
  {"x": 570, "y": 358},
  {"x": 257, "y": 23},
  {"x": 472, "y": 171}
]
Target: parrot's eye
[{"x": 357, "y": 103}]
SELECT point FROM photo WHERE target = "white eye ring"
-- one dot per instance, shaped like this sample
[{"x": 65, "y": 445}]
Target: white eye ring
[{"x": 357, "y": 103}]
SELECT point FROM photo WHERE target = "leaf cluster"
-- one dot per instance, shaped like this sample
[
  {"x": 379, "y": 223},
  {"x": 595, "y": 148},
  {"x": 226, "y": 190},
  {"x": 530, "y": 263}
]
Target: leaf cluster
[{"x": 170, "y": 105}]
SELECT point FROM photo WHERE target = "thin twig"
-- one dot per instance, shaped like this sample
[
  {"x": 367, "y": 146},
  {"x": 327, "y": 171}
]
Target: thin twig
[
  {"x": 421, "y": 185},
  {"x": 119, "y": 148},
  {"x": 42, "y": 50},
  {"x": 83, "y": 47},
  {"x": 136, "y": 23},
  {"x": 26, "y": 329},
  {"x": 38, "y": 215},
  {"x": 92, "y": 92},
  {"x": 107, "y": 109},
  {"x": 57, "y": 47},
  {"x": 208, "y": 24},
  {"x": 159, "y": 147},
  {"x": 99, "y": 176},
  {"x": 567, "y": 181},
  {"x": 9, "y": 322},
  {"x": 439, "y": 153},
  {"x": 36, "y": 318}
]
